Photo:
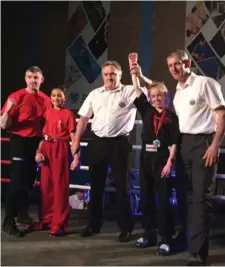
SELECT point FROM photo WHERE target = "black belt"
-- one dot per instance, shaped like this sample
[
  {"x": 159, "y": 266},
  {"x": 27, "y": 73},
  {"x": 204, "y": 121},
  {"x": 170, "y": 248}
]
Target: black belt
[
  {"x": 111, "y": 138},
  {"x": 199, "y": 134}
]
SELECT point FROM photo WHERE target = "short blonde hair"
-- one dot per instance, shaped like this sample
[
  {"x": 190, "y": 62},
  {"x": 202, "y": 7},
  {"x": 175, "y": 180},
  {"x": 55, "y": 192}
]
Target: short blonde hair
[
  {"x": 160, "y": 85},
  {"x": 180, "y": 54}
]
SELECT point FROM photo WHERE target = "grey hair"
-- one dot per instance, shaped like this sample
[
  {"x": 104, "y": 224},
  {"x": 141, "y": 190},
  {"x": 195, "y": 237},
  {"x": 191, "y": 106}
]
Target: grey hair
[
  {"x": 112, "y": 63},
  {"x": 180, "y": 53},
  {"x": 34, "y": 69}
]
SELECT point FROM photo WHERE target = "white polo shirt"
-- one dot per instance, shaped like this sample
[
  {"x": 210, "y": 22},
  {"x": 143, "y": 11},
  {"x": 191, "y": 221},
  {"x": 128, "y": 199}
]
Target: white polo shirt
[
  {"x": 114, "y": 111},
  {"x": 195, "y": 103}
]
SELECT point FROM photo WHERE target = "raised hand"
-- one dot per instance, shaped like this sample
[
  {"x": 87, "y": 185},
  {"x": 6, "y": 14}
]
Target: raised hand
[
  {"x": 133, "y": 60},
  {"x": 10, "y": 104}
]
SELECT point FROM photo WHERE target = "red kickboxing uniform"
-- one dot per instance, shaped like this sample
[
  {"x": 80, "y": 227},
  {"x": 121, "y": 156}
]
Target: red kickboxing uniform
[
  {"x": 27, "y": 114},
  {"x": 55, "y": 169}
]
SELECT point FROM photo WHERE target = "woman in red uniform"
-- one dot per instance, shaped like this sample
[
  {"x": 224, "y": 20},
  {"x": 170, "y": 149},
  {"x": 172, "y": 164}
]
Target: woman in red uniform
[{"x": 53, "y": 153}]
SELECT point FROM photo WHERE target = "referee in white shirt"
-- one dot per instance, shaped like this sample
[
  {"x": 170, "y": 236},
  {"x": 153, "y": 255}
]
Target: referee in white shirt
[
  {"x": 114, "y": 118},
  {"x": 200, "y": 107}
]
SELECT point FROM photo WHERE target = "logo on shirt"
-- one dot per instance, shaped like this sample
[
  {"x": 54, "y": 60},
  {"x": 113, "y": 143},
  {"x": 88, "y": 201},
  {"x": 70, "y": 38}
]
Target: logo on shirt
[
  {"x": 122, "y": 104},
  {"x": 192, "y": 102},
  {"x": 59, "y": 123}
]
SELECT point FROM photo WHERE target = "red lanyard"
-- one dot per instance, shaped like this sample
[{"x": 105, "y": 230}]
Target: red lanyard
[{"x": 158, "y": 125}]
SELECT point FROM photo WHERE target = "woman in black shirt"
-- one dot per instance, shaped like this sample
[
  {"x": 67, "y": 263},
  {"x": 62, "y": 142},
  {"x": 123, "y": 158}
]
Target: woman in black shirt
[{"x": 159, "y": 133}]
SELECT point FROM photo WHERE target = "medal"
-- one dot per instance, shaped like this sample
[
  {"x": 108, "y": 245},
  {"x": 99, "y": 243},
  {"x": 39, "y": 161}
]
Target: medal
[
  {"x": 157, "y": 126},
  {"x": 156, "y": 143}
]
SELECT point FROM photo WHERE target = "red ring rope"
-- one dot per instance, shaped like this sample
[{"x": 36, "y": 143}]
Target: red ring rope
[
  {"x": 5, "y": 139},
  {"x": 7, "y": 162},
  {"x": 7, "y": 180}
]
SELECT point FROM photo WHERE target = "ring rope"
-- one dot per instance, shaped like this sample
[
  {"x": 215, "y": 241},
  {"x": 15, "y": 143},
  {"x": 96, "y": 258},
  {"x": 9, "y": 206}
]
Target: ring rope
[{"x": 86, "y": 168}]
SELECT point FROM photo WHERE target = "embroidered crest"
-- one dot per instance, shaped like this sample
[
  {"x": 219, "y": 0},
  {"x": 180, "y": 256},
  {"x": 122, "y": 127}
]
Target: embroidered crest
[{"x": 122, "y": 104}]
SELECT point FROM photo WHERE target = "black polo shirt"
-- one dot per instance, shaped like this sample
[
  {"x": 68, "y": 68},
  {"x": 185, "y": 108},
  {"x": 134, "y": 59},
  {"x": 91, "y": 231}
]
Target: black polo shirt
[{"x": 168, "y": 133}]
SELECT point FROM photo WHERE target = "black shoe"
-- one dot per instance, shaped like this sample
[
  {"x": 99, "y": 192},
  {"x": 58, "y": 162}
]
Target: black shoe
[
  {"x": 90, "y": 231},
  {"x": 124, "y": 236},
  {"x": 25, "y": 221},
  {"x": 10, "y": 229},
  {"x": 195, "y": 260},
  {"x": 180, "y": 241}
]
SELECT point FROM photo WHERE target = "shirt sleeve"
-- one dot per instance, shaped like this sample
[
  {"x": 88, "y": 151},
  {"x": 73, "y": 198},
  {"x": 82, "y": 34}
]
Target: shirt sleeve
[
  {"x": 213, "y": 94},
  {"x": 86, "y": 109},
  {"x": 142, "y": 104},
  {"x": 45, "y": 130},
  {"x": 175, "y": 132},
  {"x": 48, "y": 103},
  {"x": 72, "y": 122}
]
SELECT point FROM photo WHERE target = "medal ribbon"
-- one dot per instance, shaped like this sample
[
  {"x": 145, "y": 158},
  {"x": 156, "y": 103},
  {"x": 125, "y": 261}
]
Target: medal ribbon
[{"x": 158, "y": 125}]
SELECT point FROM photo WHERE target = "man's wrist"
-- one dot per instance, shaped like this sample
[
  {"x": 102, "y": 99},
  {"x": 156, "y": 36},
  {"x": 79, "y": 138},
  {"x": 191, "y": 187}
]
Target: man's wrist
[
  {"x": 215, "y": 145},
  {"x": 76, "y": 139}
]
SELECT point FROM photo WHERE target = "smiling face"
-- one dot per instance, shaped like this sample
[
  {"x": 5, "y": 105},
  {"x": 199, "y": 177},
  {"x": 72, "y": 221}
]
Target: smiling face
[
  {"x": 179, "y": 68},
  {"x": 58, "y": 98},
  {"x": 157, "y": 95}
]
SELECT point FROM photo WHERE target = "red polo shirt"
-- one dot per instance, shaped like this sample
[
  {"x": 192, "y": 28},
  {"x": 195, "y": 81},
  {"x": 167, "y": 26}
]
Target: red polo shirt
[
  {"x": 59, "y": 123},
  {"x": 27, "y": 114}
]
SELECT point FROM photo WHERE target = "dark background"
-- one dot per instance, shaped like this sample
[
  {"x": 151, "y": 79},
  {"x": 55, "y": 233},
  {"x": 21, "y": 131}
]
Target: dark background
[{"x": 33, "y": 33}]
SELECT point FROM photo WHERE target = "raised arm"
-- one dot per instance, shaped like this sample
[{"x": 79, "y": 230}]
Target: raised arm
[
  {"x": 5, "y": 117},
  {"x": 136, "y": 69},
  {"x": 136, "y": 84}
]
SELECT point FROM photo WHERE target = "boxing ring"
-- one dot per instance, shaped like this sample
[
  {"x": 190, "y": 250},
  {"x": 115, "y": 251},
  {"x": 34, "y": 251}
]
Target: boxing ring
[{"x": 135, "y": 189}]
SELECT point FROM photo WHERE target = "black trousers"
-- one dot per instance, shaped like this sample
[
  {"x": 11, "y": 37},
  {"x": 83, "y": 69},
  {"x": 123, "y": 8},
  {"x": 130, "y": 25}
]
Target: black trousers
[
  {"x": 22, "y": 175},
  {"x": 115, "y": 152},
  {"x": 191, "y": 168},
  {"x": 151, "y": 184}
]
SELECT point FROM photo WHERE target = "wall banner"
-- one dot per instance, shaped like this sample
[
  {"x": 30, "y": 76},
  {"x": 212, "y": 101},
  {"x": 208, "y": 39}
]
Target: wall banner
[
  {"x": 205, "y": 38},
  {"x": 87, "y": 50}
]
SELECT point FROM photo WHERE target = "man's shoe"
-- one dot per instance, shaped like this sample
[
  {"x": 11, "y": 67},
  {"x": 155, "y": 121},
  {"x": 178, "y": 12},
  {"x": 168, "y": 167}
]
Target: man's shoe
[
  {"x": 124, "y": 236},
  {"x": 90, "y": 231},
  {"x": 164, "y": 247},
  {"x": 195, "y": 260},
  {"x": 149, "y": 239},
  {"x": 10, "y": 229}
]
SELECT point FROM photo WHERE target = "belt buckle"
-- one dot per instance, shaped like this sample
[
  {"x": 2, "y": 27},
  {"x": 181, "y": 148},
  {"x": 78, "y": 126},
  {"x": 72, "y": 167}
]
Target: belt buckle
[{"x": 48, "y": 138}]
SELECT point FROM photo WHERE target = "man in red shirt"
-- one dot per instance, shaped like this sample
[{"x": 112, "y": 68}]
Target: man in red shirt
[{"x": 22, "y": 116}]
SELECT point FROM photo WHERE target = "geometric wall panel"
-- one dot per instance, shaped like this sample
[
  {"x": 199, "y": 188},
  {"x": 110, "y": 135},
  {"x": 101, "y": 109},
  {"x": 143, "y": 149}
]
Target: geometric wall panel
[
  {"x": 87, "y": 49},
  {"x": 205, "y": 38}
]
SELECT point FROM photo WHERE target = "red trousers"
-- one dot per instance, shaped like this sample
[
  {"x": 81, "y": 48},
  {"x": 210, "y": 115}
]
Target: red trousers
[{"x": 55, "y": 183}]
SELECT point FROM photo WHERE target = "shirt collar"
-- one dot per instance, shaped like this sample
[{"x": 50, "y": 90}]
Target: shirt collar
[
  {"x": 103, "y": 89},
  {"x": 189, "y": 81}
]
